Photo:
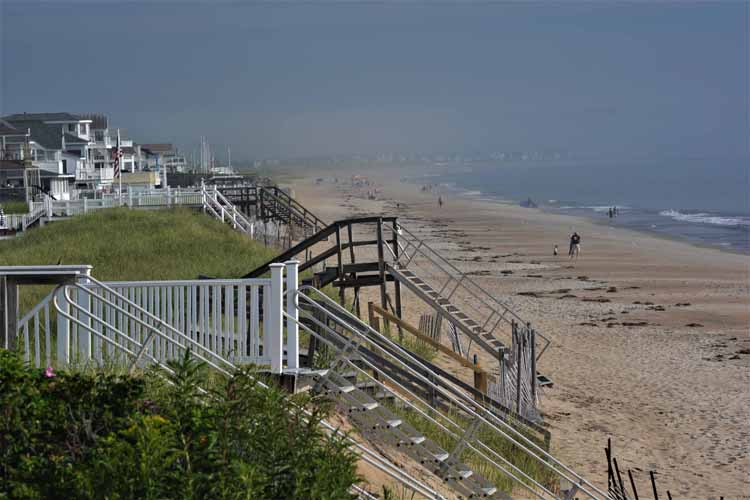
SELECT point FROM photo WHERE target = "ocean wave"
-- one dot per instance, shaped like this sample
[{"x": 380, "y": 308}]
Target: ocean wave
[
  {"x": 595, "y": 208},
  {"x": 706, "y": 218},
  {"x": 471, "y": 193}
]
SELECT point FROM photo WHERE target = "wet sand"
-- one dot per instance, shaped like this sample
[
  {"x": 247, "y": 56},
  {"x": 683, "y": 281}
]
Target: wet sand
[{"x": 651, "y": 342}]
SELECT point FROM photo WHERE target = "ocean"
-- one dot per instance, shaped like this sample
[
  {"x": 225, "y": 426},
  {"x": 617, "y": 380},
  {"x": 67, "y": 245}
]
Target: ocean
[{"x": 702, "y": 201}]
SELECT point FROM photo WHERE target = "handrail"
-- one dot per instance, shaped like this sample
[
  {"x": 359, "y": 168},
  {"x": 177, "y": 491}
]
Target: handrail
[
  {"x": 441, "y": 261},
  {"x": 514, "y": 436},
  {"x": 365, "y": 453},
  {"x": 411, "y": 396},
  {"x": 138, "y": 320},
  {"x": 26, "y": 317}
]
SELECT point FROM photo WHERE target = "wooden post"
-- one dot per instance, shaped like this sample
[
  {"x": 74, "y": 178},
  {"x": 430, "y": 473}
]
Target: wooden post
[
  {"x": 381, "y": 268},
  {"x": 480, "y": 378},
  {"x": 340, "y": 265},
  {"x": 353, "y": 274},
  {"x": 397, "y": 284}
]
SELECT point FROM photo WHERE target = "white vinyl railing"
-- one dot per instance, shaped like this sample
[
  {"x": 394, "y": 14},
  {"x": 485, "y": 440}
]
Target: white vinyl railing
[
  {"x": 236, "y": 320},
  {"x": 134, "y": 199},
  {"x": 20, "y": 222}
]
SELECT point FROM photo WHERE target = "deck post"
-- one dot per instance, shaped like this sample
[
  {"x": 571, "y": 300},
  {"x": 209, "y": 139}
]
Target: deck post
[
  {"x": 9, "y": 311},
  {"x": 340, "y": 265},
  {"x": 397, "y": 283},
  {"x": 275, "y": 317},
  {"x": 381, "y": 268},
  {"x": 354, "y": 274},
  {"x": 292, "y": 312}
]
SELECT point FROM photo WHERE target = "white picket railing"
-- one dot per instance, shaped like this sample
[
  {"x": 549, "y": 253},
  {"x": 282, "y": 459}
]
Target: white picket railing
[
  {"x": 134, "y": 199},
  {"x": 235, "y": 320},
  {"x": 20, "y": 222}
]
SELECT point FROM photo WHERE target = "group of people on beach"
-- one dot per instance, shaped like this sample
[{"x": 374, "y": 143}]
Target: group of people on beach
[{"x": 613, "y": 212}]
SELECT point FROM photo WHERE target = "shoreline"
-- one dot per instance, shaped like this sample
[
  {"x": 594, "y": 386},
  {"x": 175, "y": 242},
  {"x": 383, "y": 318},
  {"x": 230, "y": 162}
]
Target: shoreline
[
  {"x": 625, "y": 360},
  {"x": 468, "y": 195}
]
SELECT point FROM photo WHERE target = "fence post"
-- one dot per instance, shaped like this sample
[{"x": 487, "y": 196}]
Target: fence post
[
  {"x": 63, "y": 330},
  {"x": 275, "y": 350},
  {"x": 292, "y": 311}
]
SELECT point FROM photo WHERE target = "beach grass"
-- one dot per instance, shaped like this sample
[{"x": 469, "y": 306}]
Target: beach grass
[
  {"x": 15, "y": 207},
  {"x": 132, "y": 245}
]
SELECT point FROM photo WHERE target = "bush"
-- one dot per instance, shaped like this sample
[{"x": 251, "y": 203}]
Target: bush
[{"x": 162, "y": 436}]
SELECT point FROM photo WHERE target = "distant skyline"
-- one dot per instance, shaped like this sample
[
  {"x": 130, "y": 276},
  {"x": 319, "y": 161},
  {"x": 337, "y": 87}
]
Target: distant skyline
[{"x": 325, "y": 78}]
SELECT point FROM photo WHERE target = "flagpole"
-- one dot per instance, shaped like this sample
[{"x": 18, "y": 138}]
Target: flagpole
[{"x": 119, "y": 177}]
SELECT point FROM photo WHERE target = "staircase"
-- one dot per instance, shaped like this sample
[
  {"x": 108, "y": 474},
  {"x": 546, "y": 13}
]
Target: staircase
[
  {"x": 379, "y": 424},
  {"x": 404, "y": 407},
  {"x": 471, "y": 328},
  {"x": 276, "y": 204},
  {"x": 367, "y": 367}
]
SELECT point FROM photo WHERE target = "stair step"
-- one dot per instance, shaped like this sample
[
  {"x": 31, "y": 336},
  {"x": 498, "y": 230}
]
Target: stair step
[
  {"x": 489, "y": 491},
  {"x": 364, "y": 407},
  {"x": 465, "y": 474},
  {"x": 441, "y": 457},
  {"x": 418, "y": 439}
]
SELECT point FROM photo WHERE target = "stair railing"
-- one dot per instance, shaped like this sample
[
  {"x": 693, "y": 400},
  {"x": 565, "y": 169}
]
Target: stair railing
[
  {"x": 347, "y": 322},
  {"x": 495, "y": 311},
  {"x": 139, "y": 350}
]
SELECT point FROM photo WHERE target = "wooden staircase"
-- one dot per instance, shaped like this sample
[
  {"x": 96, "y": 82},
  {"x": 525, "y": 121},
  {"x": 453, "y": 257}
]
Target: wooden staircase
[
  {"x": 375, "y": 421},
  {"x": 471, "y": 328}
]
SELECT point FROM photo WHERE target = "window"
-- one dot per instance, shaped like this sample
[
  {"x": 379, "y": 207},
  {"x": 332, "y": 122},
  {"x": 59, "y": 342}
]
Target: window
[
  {"x": 99, "y": 136},
  {"x": 71, "y": 127}
]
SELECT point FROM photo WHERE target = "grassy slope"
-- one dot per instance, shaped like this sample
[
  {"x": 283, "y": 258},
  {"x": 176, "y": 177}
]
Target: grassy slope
[{"x": 130, "y": 245}]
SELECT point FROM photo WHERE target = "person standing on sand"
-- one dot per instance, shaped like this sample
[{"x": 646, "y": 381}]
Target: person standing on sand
[
  {"x": 575, "y": 245},
  {"x": 440, "y": 201},
  {"x": 554, "y": 251}
]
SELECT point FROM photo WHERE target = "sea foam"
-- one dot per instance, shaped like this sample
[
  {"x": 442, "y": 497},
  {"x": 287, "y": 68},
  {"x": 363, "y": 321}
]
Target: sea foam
[{"x": 706, "y": 218}]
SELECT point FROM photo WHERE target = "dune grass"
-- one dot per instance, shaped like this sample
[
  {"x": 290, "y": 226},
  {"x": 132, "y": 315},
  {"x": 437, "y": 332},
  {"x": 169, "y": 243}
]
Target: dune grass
[
  {"x": 131, "y": 245},
  {"x": 15, "y": 207}
]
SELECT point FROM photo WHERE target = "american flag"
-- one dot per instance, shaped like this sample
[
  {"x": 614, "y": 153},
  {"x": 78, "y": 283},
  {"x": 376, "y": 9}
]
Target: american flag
[{"x": 117, "y": 156}]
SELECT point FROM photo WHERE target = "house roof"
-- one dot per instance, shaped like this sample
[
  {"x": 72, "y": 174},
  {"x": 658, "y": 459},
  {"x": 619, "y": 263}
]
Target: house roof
[
  {"x": 158, "y": 147},
  {"x": 127, "y": 150},
  {"x": 44, "y": 117},
  {"x": 8, "y": 129},
  {"x": 47, "y": 136}
]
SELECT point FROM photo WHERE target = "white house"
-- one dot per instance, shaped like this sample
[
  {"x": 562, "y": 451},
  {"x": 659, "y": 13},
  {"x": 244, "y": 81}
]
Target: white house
[{"x": 56, "y": 143}]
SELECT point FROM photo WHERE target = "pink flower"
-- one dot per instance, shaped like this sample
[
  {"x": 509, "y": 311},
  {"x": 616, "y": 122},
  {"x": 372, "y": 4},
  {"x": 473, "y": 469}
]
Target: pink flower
[{"x": 49, "y": 372}]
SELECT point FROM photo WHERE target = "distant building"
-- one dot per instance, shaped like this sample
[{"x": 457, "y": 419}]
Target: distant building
[{"x": 55, "y": 143}]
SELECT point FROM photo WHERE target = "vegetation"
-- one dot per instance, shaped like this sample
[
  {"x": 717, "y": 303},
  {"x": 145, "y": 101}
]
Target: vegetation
[
  {"x": 103, "y": 435},
  {"x": 15, "y": 207},
  {"x": 125, "y": 245}
]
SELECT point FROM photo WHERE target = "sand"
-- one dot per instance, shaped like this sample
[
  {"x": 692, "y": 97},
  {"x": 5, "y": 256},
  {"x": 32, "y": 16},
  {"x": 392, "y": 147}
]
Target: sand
[{"x": 651, "y": 342}]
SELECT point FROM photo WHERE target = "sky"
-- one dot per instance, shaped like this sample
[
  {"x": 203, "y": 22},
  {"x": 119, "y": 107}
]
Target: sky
[{"x": 290, "y": 79}]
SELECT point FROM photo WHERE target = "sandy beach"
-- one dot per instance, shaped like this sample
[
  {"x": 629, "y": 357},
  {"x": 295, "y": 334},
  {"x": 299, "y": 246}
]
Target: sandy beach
[{"x": 650, "y": 342}]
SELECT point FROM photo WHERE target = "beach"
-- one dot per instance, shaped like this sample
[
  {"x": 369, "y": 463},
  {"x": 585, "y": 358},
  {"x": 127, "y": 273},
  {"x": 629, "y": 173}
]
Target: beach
[{"x": 650, "y": 343}]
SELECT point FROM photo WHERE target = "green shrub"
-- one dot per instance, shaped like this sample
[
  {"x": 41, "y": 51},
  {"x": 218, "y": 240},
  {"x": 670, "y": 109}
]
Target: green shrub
[{"x": 163, "y": 436}]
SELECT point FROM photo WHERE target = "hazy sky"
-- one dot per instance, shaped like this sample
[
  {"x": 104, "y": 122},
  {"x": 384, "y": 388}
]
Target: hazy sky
[{"x": 291, "y": 79}]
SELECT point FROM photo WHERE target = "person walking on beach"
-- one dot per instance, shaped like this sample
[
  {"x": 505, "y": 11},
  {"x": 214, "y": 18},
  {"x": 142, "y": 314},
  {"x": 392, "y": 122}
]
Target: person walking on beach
[
  {"x": 554, "y": 251},
  {"x": 575, "y": 245},
  {"x": 440, "y": 201}
]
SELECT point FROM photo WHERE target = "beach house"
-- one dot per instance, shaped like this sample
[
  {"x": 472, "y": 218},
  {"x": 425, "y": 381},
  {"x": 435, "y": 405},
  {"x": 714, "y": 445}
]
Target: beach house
[{"x": 55, "y": 143}]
